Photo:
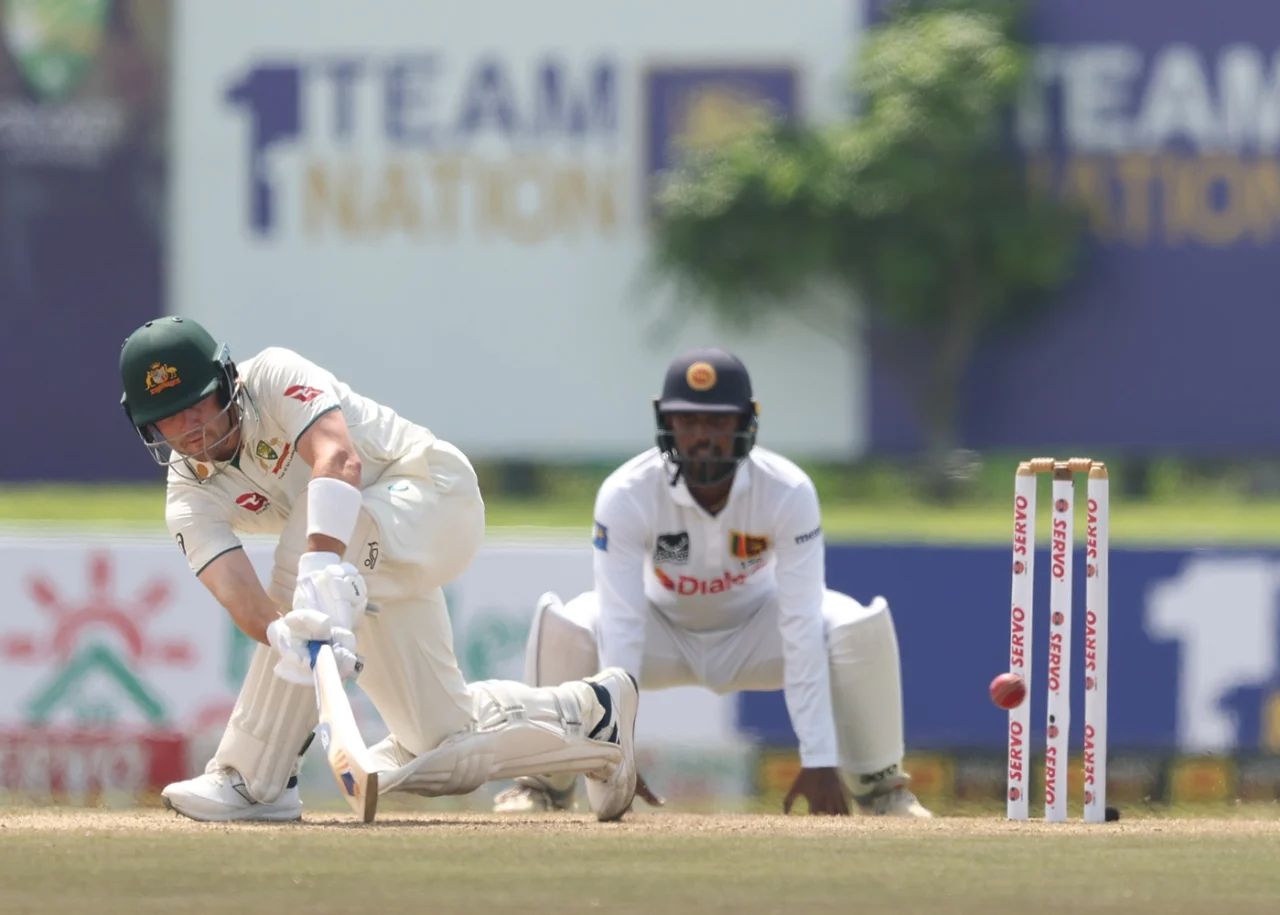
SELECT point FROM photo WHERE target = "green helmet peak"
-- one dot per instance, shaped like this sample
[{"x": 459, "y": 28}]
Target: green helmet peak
[{"x": 168, "y": 365}]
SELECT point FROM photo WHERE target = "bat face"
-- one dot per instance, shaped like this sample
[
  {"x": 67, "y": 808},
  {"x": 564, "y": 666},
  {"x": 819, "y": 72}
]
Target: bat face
[{"x": 339, "y": 762}]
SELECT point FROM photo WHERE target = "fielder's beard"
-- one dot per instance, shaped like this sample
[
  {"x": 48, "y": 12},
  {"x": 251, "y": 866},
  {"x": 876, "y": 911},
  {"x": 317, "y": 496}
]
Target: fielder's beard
[{"x": 706, "y": 465}]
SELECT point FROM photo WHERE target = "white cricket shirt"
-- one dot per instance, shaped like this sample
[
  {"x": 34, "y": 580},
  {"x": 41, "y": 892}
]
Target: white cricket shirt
[
  {"x": 655, "y": 546},
  {"x": 284, "y": 395}
]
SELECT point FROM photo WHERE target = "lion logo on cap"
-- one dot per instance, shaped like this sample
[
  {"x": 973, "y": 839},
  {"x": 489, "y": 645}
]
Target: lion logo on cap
[{"x": 701, "y": 376}]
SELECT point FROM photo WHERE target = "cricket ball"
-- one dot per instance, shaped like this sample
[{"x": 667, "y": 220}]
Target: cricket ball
[{"x": 1008, "y": 690}]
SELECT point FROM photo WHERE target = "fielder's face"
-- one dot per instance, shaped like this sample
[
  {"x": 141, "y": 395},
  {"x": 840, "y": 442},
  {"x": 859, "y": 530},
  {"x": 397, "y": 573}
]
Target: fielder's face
[
  {"x": 202, "y": 432},
  {"x": 705, "y": 443}
]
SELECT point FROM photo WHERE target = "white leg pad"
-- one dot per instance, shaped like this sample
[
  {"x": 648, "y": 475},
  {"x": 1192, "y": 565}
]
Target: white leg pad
[
  {"x": 561, "y": 647},
  {"x": 562, "y": 641},
  {"x": 520, "y": 730},
  {"x": 271, "y": 721},
  {"x": 866, "y": 689}
]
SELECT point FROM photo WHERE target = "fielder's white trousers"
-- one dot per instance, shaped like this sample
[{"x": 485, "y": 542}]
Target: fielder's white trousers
[{"x": 862, "y": 649}]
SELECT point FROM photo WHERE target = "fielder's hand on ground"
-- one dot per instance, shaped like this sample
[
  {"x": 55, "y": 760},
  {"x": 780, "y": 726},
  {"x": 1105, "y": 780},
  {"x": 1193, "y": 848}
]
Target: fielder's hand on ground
[
  {"x": 822, "y": 788},
  {"x": 643, "y": 790},
  {"x": 646, "y": 793}
]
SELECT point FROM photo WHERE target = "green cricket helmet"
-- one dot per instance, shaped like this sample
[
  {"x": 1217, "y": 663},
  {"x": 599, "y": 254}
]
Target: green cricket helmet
[{"x": 168, "y": 365}]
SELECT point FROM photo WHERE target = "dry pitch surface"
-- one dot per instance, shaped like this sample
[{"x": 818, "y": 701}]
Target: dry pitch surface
[{"x": 150, "y": 861}]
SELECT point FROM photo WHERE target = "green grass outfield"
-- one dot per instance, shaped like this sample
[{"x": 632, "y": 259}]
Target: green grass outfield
[
  {"x": 1201, "y": 519},
  {"x": 138, "y": 863}
]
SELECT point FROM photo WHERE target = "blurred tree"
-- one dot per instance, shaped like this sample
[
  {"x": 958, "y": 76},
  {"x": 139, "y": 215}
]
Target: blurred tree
[{"x": 918, "y": 209}]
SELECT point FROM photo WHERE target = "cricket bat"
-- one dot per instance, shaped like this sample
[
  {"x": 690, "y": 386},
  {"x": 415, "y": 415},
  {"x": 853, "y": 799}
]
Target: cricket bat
[{"x": 340, "y": 737}]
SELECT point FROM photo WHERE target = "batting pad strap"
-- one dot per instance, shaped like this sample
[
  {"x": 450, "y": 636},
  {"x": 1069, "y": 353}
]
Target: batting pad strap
[{"x": 332, "y": 508}]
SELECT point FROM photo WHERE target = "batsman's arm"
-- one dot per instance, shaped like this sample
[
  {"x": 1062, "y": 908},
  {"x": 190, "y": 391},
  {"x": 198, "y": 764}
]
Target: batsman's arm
[
  {"x": 303, "y": 398},
  {"x": 200, "y": 528},
  {"x": 327, "y": 447},
  {"x": 232, "y": 579}
]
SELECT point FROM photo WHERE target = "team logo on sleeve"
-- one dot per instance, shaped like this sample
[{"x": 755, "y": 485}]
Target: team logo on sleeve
[
  {"x": 302, "y": 393},
  {"x": 160, "y": 377},
  {"x": 672, "y": 548},
  {"x": 600, "y": 537},
  {"x": 746, "y": 546},
  {"x": 255, "y": 502}
]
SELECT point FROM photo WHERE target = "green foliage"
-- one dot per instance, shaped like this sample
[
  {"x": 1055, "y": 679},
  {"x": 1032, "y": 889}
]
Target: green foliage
[
  {"x": 746, "y": 226},
  {"x": 918, "y": 208}
]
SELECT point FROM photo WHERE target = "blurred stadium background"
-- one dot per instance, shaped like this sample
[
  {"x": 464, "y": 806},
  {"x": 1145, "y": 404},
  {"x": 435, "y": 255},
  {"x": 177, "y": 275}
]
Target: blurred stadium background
[{"x": 459, "y": 220}]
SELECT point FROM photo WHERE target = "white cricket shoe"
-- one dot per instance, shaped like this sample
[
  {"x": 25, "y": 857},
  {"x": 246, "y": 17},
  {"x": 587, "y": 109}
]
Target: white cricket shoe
[
  {"x": 899, "y": 802},
  {"x": 611, "y": 797},
  {"x": 533, "y": 798},
  {"x": 220, "y": 797}
]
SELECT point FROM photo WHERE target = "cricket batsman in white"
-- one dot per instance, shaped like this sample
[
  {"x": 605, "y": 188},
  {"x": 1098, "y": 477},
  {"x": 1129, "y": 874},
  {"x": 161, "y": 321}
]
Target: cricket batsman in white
[
  {"x": 710, "y": 570},
  {"x": 372, "y": 511}
]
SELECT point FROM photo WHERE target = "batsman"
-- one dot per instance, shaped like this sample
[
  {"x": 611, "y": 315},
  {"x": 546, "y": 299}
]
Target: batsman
[
  {"x": 709, "y": 571},
  {"x": 371, "y": 511}
]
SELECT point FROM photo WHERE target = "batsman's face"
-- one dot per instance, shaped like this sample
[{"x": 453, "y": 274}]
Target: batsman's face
[
  {"x": 705, "y": 441},
  {"x": 201, "y": 432}
]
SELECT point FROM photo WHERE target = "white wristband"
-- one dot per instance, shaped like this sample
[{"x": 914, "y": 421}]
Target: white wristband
[{"x": 332, "y": 508}]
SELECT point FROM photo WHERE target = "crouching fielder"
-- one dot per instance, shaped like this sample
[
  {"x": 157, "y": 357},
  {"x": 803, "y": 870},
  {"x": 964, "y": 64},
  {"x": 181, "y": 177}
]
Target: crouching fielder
[
  {"x": 709, "y": 570},
  {"x": 368, "y": 508}
]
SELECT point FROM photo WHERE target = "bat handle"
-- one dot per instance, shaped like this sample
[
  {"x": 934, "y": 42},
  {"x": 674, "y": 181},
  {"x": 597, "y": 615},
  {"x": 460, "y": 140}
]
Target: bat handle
[{"x": 313, "y": 647}]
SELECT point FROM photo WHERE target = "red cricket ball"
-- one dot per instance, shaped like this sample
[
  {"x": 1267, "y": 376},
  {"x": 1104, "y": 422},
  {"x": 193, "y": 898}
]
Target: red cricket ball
[{"x": 1008, "y": 690}]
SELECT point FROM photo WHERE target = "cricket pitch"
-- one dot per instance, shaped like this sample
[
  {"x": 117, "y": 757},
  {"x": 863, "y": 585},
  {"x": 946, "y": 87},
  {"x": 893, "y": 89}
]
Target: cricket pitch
[{"x": 108, "y": 862}]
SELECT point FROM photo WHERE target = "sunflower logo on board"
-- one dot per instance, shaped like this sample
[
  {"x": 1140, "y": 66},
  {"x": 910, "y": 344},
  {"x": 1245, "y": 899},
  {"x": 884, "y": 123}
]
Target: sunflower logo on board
[{"x": 96, "y": 647}]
